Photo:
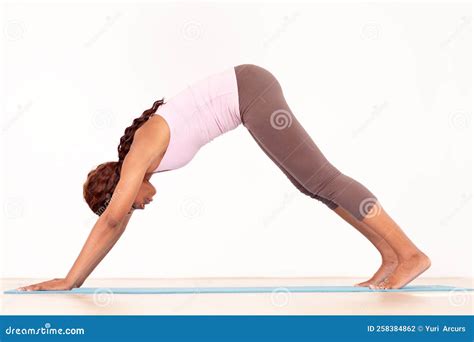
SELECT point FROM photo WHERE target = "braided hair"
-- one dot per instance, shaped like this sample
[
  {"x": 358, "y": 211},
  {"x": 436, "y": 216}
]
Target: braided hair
[{"x": 101, "y": 181}]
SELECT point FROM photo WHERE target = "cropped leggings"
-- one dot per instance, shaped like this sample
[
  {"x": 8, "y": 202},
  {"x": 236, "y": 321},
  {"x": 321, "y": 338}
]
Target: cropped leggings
[{"x": 270, "y": 121}]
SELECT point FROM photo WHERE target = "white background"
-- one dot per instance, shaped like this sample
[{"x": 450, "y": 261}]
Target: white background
[{"x": 383, "y": 89}]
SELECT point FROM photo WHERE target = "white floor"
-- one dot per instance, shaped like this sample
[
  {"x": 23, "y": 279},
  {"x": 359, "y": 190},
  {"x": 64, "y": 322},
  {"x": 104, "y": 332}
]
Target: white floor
[{"x": 279, "y": 303}]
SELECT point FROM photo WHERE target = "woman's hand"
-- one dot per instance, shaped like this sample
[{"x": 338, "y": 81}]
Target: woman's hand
[{"x": 54, "y": 284}]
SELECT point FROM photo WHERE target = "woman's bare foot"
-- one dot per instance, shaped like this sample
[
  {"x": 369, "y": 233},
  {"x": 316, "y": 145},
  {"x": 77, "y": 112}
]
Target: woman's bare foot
[
  {"x": 407, "y": 270},
  {"x": 388, "y": 267}
]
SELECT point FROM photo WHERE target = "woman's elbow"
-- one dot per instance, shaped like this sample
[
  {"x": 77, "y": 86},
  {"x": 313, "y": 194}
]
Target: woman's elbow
[{"x": 111, "y": 221}]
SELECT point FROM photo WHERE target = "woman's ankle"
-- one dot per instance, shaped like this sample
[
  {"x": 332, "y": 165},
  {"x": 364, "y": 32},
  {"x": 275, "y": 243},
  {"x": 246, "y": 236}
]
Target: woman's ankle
[{"x": 415, "y": 254}]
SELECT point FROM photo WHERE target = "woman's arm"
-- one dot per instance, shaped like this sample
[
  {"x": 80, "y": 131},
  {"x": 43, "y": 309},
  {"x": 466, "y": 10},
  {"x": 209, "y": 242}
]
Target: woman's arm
[
  {"x": 145, "y": 149},
  {"x": 108, "y": 228},
  {"x": 101, "y": 239}
]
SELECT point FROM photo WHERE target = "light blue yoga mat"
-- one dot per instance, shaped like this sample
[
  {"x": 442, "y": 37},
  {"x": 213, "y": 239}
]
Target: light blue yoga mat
[{"x": 292, "y": 289}]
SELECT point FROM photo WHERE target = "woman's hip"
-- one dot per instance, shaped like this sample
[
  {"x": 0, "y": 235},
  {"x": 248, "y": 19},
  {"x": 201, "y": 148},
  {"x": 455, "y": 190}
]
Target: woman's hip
[{"x": 259, "y": 90}]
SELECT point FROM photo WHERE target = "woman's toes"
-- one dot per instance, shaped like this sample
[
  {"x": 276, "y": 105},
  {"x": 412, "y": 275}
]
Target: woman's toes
[
  {"x": 382, "y": 285},
  {"x": 363, "y": 284}
]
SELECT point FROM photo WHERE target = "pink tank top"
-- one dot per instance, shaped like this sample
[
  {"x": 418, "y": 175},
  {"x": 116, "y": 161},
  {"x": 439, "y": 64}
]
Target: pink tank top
[{"x": 198, "y": 114}]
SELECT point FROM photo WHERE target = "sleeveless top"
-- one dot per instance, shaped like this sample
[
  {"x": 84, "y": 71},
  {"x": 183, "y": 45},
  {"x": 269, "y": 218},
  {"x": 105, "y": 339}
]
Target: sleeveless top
[{"x": 196, "y": 115}]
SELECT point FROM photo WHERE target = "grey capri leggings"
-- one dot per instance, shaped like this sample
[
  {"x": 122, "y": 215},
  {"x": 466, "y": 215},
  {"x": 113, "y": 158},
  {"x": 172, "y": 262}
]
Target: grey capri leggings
[{"x": 268, "y": 118}]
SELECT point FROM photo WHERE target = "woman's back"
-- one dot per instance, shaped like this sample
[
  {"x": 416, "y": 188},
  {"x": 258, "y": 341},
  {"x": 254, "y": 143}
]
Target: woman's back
[{"x": 197, "y": 115}]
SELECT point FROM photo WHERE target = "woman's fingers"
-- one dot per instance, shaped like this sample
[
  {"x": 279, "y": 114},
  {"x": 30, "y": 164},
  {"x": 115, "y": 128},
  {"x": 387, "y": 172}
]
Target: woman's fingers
[
  {"x": 29, "y": 288},
  {"x": 35, "y": 287},
  {"x": 54, "y": 284}
]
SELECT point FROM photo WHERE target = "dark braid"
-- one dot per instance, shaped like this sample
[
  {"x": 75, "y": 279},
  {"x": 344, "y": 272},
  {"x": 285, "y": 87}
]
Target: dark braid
[
  {"x": 127, "y": 139},
  {"x": 101, "y": 181}
]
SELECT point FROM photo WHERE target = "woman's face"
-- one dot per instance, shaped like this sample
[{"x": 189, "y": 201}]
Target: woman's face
[{"x": 145, "y": 195}]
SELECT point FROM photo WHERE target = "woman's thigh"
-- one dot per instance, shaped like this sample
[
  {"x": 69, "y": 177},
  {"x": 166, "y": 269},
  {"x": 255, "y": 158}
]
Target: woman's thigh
[{"x": 267, "y": 116}]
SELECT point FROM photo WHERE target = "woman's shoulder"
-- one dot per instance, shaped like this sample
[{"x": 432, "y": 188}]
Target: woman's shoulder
[
  {"x": 153, "y": 136},
  {"x": 154, "y": 129}
]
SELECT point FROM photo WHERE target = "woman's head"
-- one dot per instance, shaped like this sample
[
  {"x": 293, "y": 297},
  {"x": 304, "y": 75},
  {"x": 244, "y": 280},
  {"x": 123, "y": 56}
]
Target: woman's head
[
  {"x": 100, "y": 186},
  {"x": 145, "y": 195},
  {"x": 101, "y": 181}
]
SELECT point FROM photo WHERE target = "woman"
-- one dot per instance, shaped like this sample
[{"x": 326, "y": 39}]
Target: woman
[{"x": 168, "y": 135}]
